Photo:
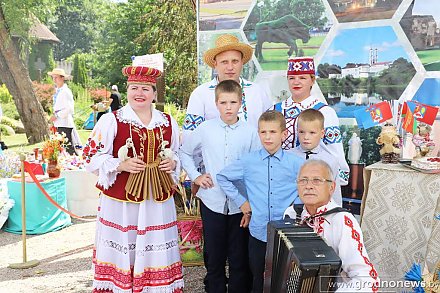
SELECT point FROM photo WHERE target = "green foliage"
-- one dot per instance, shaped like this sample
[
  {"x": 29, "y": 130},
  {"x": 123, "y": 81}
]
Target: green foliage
[
  {"x": 10, "y": 110},
  {"x": 141, "y": 27},
  {"x": 17, "y": 126},
  {"x": 44, "y": 51},
  {"x": 77, "y": 23},
  {"x": 310, "y": 12},
  {"x": 5, "y": 96},
  {"x": 19, "y": 14},
  {"x": 6, "y": 130},
  {"x": 176, "y": 111},
  {"x": 79, "y": 72}
]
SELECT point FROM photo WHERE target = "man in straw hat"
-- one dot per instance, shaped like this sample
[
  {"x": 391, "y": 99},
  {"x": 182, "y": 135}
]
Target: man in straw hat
[
  {"x": 63, "y": 107},
  {"x": 227, "y": 58}
]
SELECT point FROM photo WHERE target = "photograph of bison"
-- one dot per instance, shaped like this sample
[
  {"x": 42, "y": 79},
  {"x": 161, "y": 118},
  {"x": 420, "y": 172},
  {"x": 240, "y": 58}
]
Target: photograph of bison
[{"x": 279, "y": 29}]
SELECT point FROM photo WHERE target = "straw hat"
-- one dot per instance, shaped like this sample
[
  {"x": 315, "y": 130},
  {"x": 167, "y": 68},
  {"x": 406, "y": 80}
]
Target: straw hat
[
  {"x": 225, "y": 43},
  {"x": 59, "y": 71},
  {"x": 141, "y": 74}
]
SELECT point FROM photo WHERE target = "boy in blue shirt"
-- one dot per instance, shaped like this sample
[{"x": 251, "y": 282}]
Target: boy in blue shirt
[
  {"x": 269, "y": 175},
  {"x": 221, "y": 141}
]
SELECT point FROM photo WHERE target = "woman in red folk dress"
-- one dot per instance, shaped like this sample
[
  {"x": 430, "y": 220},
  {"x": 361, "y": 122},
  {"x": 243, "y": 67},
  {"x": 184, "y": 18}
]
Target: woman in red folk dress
[{"x": 133, "y": 152}]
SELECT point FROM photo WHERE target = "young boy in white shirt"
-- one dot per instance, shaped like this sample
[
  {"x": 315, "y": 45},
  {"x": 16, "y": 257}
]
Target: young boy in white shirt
[
  {"x": 221, "y": 141},
  {"x": 310, "y": 134}
]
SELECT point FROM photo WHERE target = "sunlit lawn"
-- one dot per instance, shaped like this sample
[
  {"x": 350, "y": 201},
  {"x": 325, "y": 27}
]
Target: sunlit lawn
[{"x": 19, "y": 143}]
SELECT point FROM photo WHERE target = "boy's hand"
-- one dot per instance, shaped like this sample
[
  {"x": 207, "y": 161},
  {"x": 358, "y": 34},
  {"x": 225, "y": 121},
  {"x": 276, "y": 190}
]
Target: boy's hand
[
  {"x": 246, "y": 208},
  {"x": 245, "y": 221},
  {"x": 204, "y": 181}
]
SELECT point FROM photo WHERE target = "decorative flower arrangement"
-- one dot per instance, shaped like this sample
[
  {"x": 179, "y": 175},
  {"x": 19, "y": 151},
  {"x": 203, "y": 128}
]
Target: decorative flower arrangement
[
  {"x": 54, "y": 146},
  {"x": 9, "y": 164}
]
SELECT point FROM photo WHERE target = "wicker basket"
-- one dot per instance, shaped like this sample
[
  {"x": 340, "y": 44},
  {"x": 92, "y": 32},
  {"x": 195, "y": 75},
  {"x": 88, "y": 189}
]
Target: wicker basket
[{"x": 190, "y": 240}]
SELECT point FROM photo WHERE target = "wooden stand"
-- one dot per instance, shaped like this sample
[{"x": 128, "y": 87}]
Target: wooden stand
[{"x": 25, "y": 264}]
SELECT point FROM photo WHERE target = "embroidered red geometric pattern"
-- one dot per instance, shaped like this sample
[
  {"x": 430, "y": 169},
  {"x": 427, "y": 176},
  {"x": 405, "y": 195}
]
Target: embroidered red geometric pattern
[
  {"x": 134, "y": 227},
  {"x": 356, "y": 236}
]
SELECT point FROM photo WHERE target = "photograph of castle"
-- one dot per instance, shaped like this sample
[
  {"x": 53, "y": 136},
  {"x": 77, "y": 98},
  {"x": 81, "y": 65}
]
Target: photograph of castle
[{"x": 421, "y": 25}]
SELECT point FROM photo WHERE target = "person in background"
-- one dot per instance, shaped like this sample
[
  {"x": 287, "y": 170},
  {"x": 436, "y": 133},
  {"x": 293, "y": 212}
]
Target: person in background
[
  {"x": 268, "y": 175},
  {"x": 115, "y": 98},
  {"x": 134, "y": 153},
  {"x": 63, "y": 107},
  {"x": 339, "y": 229},
  {"x": 300, "y": 78}
]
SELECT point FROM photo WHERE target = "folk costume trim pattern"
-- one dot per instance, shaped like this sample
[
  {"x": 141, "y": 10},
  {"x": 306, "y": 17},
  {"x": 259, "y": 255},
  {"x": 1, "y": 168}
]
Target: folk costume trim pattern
[{"x": 341, "y": 231}]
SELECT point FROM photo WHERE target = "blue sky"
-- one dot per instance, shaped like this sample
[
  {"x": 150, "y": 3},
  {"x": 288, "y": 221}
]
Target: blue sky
[
  {"x": 352, "y": 45},
  {"x": 428, "y": 93}
]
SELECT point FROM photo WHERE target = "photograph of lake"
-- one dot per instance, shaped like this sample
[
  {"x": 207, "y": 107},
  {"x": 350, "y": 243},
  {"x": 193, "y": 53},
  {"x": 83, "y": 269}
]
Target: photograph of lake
[{"x": 363, "y": 66}]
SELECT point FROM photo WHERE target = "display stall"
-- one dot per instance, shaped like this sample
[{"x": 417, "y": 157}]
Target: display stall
[
  {"x": 41, "y": 215},
  {"x": 399, "y": 218}
]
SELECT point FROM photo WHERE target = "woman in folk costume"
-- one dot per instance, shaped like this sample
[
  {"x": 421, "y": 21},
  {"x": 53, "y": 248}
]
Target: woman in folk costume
[
  {"x": 133, "y": 152},
  {"x": 300, "y": 79}
]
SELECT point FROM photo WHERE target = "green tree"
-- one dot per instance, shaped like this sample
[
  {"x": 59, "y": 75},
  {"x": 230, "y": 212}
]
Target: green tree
[
  {"x": 16, "y": 16},
  {"x": 142, "y": 27},
  {"x": 77, "y": 23},
  {"x": 79, "y": 71}
]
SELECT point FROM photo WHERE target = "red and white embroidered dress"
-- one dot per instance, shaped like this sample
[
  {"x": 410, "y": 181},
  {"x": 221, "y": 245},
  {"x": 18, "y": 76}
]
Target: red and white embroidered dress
[
  {"x": 342, "y": 232},
  {"x": 136, "y": 244}
]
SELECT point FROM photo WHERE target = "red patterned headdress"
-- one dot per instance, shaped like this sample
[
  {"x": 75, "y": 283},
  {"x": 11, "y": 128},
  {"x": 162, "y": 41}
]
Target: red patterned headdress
[
  {"x": 300, "y": 65},
  {"x": 141, "y": 74}
]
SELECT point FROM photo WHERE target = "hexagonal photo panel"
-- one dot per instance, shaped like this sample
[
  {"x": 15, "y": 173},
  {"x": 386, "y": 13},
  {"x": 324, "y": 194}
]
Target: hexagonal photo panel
[
  {"x": 363, "y": 66},
  {"x": 206, "y": 73},
  {"x": 279, "y": 29},
  {"x": 421, "y": 24},
  {"x": 362, "y": 10},
  {"x": 222, "y": 15}
]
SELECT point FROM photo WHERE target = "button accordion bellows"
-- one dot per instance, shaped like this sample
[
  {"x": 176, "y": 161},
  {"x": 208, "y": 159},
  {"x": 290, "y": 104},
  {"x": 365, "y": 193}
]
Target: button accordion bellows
[{"x": 298, "y": 260}]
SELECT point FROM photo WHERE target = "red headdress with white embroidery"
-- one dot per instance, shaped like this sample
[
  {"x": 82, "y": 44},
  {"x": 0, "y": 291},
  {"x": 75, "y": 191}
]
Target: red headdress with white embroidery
[{"x": 300, "y": 65}]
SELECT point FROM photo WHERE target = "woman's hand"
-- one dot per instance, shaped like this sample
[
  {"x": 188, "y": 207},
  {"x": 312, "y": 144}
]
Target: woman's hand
[
  {"x": 167, "y": 165},
  {"x": 131, "y": 165}
]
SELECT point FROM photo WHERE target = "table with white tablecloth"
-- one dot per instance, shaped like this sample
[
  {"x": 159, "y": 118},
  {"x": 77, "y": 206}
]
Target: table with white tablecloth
[
  {"x": 399, "y": 218},
  {"x": 82, "y": 194}
]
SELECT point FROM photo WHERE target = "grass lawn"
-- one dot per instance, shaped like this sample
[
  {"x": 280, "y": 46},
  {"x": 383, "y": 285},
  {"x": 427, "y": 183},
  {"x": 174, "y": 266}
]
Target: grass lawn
[
  {"x": 429, "y": 56},
  {"x": 19, "y": 142},
  {"x": 275, "y": 54},
  {"x": 238, "y": 13}
]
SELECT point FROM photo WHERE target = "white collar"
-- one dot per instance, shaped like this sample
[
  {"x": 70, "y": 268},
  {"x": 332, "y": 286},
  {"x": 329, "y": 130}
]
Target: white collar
[{"x": 127, "y": 115}]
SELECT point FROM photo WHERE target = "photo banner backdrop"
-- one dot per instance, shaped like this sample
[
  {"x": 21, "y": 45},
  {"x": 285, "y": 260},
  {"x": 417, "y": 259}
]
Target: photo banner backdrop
[{"x": 366, "y": 52}]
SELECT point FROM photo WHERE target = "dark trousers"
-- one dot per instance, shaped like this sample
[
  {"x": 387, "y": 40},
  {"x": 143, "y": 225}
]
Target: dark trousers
[
  {"x": 257, "y": 255},
  {"x": 69, "y": 146},
  {"x": 224, "y": 239}
]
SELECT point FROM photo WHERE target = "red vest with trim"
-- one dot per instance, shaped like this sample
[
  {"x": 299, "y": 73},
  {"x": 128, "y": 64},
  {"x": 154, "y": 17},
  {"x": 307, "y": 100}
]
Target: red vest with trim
[{"x": 147, "y": 144}]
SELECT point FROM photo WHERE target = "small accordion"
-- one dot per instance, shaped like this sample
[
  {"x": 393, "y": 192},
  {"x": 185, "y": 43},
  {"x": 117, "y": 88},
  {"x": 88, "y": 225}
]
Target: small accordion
[{"x": 298, "y": 260}]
